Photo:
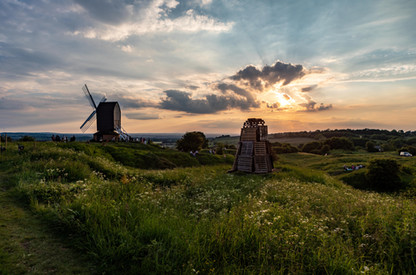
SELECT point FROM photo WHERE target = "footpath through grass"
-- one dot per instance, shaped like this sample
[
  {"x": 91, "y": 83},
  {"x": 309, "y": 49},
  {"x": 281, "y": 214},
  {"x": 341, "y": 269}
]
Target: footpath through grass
[
  {"x": 203, "y": 220},
  {"x": 29, "y": 245}
]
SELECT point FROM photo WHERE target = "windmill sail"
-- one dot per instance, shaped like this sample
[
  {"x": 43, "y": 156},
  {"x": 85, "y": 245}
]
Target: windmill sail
[
  {"x": 90, "y": 120},
  {"x": 89, "y": 97}
]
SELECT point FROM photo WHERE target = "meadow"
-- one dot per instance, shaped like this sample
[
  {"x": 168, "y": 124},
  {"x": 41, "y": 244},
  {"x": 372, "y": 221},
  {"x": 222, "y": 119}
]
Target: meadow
[{"x": 127, "y": 215}]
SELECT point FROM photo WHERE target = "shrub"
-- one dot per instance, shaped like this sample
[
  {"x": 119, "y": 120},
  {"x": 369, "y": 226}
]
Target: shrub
[
  {"x": 357, "y": 179},
  {"x": 388, "y": 147},
  {"x": 340, "y": 143},
  {"x": 397, "y": 142},
  {"x": 219, "y": 148},
  {"x": 371, "y": 147},
  {"x": 312, "y": 147},
  {"x": 383, "y": 175},
  {"x": 285, "y": 148},
  {"x": 411, "y": 141},
  {"x": 325, "y": 149},
  {"x": 359, "y": 141}
]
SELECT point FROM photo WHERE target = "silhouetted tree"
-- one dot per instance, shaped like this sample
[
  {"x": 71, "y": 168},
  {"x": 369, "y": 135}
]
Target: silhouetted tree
[{"x": 192, "y": 141}]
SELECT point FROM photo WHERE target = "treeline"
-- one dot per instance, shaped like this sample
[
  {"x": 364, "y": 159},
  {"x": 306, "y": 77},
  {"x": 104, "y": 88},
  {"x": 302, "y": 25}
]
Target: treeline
[
  {"x": 368, "y": 133},
  {"x": 370, "y": 144}
]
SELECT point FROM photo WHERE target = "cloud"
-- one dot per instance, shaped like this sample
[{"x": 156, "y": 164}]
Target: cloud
[
  {"x": 309, "y": 88},
  {"x": 11, "y": 104},
  {"x": 269, "y": 75},
  {"x": 275, "y": 105},
  {"x": 129, "y": 102},
  {"x": 142, "y": 116},
  {"x": 181, "y": 101},
  {"x": 236, "y": 92},
  {"x": 312, "y": 107},
  {"x": 223, "y": 87},
  {"x": 116, "y": 21},
  {"x": 109, "y": 12}
]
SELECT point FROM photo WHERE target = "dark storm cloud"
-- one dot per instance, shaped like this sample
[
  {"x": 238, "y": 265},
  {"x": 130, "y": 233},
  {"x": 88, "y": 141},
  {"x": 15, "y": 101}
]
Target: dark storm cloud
[
  {"x": 269, "y": 75},
  {"x": 312, "y": 106},
  {"x": 181, "y": 101}
]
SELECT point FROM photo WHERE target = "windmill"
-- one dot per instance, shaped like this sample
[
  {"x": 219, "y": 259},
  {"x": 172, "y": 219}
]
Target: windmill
[{"x": 108, "y": 116}]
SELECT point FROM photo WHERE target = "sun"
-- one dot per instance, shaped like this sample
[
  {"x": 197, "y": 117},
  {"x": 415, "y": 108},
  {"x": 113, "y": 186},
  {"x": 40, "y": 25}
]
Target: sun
[{"x": 284, "y": 100}]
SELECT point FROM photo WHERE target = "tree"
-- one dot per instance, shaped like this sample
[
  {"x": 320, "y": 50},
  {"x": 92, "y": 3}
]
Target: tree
[
  {"x": 27, "y": 138},
  {"x": 383, "y": 174},
  {"x": 312, "y": 147},
  {"x": 371, "y": 147},
  {"x": 340, "y": 143},
  {"x": 325, "y": 149},
  {"x": 192, "y": 141}
]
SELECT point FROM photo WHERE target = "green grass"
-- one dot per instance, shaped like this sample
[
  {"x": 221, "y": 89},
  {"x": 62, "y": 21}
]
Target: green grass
[
  {"x": 199, "y": 219},
  {"x": 29, "y": 246}
]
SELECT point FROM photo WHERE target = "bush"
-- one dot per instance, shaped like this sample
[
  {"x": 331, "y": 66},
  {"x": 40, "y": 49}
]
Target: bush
[
  {"x": 359, "y": 141},
  {"x": 325, "y": 149},
  {"x": 383, "y": 175},
  {"x": 411, "y": 141},
  {"x": 312, "y": 147},
  {"x": 388, "y": 147},
  {"x": 397, "y": 142},
  {"x": 371, "y": 147},
  {"x": 285, "y": 148},
  {"x": 340, "y": 143},
  {"x": 357, "y": 179}
]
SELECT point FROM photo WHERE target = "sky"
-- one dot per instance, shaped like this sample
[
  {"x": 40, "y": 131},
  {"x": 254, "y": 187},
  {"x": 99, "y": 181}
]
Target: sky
[{"x": 207, "y": 65}]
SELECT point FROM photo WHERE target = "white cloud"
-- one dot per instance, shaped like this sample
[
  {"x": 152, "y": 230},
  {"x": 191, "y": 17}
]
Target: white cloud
[
  {"x": 154, "y": 19},
  {"x": 127, "y": 48}
]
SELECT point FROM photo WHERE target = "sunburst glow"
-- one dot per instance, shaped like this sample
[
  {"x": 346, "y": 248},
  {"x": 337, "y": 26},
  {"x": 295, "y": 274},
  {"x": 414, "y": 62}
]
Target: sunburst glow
[{"x": 285, "y": 100}]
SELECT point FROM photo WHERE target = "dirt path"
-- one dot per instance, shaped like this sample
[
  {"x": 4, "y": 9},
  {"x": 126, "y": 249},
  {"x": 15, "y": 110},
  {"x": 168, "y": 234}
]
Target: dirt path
[{"x": 29, "y": 246}]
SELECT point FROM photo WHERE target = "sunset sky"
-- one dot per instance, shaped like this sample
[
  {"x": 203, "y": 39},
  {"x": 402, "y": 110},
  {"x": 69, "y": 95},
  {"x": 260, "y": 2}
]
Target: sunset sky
[{"x": 208, "y": 65}]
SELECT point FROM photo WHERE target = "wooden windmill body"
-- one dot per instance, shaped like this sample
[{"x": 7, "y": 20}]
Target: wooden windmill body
[
  {"x": 254, "y": 150},
  {"x": 108, "y": 116}
]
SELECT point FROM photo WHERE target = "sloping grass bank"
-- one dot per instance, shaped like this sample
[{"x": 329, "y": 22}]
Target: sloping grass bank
[{"x": 202, "y": 220}]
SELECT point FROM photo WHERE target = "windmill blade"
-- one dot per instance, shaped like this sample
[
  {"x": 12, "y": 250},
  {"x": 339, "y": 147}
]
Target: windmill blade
[
  {"x": 89, "y": 97},
  {"x": 90, "y": 120},
  {"x": 104, "y": 99}
]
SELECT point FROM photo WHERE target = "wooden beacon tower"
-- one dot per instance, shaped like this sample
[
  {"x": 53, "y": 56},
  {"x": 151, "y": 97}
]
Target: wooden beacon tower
[{"x": 254, "y": 150}]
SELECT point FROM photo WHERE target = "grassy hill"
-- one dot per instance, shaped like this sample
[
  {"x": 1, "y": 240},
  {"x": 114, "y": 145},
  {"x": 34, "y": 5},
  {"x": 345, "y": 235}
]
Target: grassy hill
[{"x": 130, "y": 217}]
